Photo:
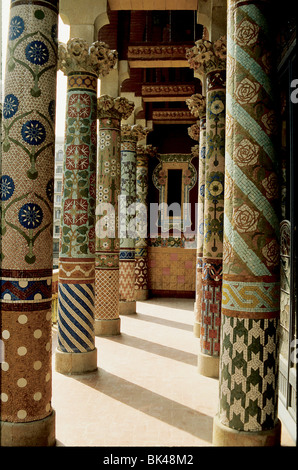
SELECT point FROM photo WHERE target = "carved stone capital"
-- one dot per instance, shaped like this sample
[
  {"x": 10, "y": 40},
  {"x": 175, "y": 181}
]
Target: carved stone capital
[
  {"x": 119, "y": 107},
  {"x": 194, "y": 132},
  {"x": 78, "y": 56},
  {"x": 197, "y": 105},
  {"x": 134, "y": 133},
  {"x": 146, "y": 151},
  {"x": 195, "y": 150},
  {"x": 206, "y": 56}
]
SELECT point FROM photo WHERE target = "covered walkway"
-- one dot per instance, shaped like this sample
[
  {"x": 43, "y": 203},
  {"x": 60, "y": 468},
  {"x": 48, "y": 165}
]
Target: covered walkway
[{"x": 147, "y": 391}]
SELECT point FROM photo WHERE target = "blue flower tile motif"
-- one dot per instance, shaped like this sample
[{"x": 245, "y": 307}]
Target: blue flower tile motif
[
  {"x": 33, "y": 132},
  {"x": 6, "y": 187},
  {"x": 50, "y": 190},
  {"x": 37, "y": 53},
  {"x": 10, "y": 106},
  {"x": 16, "y": 27},
  {"x": 30, "y": 215}
]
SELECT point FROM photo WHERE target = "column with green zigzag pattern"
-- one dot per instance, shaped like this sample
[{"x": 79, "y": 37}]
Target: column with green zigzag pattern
[
  {"x": 130, "y": 135},
  {"x": 144, "y": 152},
  {"x": 82, "y": 64},
  {"x": 110, "y": 111},
  {"x": 250, "y": 294},
  {"x": 26, "y": 195}
]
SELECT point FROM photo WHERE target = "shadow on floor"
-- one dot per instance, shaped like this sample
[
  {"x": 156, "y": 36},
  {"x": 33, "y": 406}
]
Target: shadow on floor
[
  {"x": 163, "y": 321},
  {"x": 171, "y": 302},
  {"x": 155, "y": 405},
  {"x": 155, "y": 348}
]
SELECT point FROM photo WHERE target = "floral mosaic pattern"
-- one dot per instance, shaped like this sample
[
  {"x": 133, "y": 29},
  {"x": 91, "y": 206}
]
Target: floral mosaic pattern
[
  {"x": 77, "y": 228},
  {"x": 213, "y": 190},
  {"x": 250, "y": 293}
]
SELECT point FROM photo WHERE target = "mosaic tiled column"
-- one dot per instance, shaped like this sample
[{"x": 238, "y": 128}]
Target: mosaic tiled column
[
  {"x": 76, "y": 352},
  {"x": 26, "y": 192},
  {"x": 141, "y": 251},
  {"x": 130, "y": 135},
  {"x": 197, "y": 106},
  {"x": 110, "y": 111},
  {"x": 250, "y": 292},
  {"x": 210, "y": 59}
]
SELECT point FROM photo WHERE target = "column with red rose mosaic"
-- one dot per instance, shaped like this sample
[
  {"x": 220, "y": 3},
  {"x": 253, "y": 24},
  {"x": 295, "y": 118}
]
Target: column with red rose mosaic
[
  {"x": 130, "y": 135},
  {"x": 197, "y": 106},
  {"x": 76, "y": 352},
  {"x": 248, "y": 395},
  {"x": 209, "y": 58},
  {"x": 110, "y": 111},
  {"x": 144, "y": 152},
  {"x": 26, "y": 193}
]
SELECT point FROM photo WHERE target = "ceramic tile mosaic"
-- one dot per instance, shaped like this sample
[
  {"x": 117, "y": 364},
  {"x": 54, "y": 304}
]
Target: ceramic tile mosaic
[
  {"x": 26, "y": 192},
  {"x": 172, "y": 269},
  {"x": 250, "y": 305}
]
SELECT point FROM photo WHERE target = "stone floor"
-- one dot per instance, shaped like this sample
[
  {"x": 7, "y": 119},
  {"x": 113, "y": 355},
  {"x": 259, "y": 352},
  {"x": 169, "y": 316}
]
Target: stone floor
[{"x": 146, "y": 391}]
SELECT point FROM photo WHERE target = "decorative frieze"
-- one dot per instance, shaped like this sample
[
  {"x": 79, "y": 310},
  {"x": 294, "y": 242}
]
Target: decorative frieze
[
  {"x": 167, "y": 90},
  {"x": 161, "y": 52}
]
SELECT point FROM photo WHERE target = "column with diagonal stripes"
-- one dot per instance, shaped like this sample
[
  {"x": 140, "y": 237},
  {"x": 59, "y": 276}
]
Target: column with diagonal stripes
[
  {"x": 210, "y": 59},
  {"x": 250, "y": 300},
  {"x": 110, "y": 111},
  {"x": 26, "y": 196},
  {"x": 76, "y": 352},
  {"x": 197, "y": 106},
  {"x": 144, "y": 152},
  {"x": 130, "y": 135}
]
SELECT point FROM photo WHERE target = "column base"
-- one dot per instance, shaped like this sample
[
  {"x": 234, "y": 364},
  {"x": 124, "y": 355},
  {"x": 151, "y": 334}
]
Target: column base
[
  {"x": 127, "y": 308},
  {"x": 107, "y": 327},
  {"x": 142, "y": 294},
  {"x": 197, "y": 329},
  {"x": 208, "y": 365},
  {"x": 228, "y": 437},
  {"x": 75, "y": 363},
  {"x": 40, "y": 433}
]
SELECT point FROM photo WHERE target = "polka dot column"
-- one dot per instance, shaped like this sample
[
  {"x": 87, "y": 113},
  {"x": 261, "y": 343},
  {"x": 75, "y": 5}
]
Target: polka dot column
[{"x": 26, "y": 192}]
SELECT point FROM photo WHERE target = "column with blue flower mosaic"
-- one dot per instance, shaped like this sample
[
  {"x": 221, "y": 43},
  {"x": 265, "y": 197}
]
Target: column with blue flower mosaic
[
  {"x": 210, "y": 59},
  {"x": 130, "y": 135},
  {"x": 26, "y": 192},
  {"x": 82, "y": 64},
  {"x": 197, "y": 106}
]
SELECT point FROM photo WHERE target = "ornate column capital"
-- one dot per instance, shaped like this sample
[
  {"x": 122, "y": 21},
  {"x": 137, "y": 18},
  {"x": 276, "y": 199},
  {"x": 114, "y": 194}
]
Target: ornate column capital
[
  {"x": 195, "y": 150},
  {"x": 119, "y": 107},
  {"x": 135, "y": 132},
  {"x": 78, "y": 56},
  {"x": 194, "y": 132},
  {"x": 146, "y": 151},
  {"x": 197, "y": 105},
  {"x": 206, "y": 56}
]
